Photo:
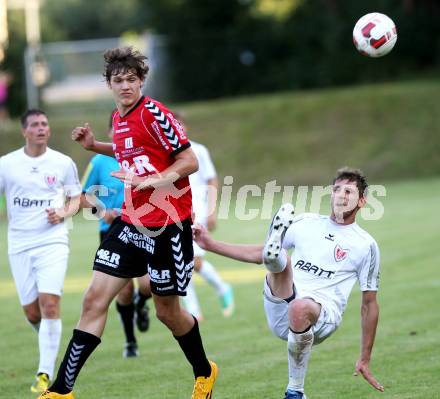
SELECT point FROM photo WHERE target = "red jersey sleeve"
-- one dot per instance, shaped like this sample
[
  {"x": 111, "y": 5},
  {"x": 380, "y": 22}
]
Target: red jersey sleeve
[{"x": 167, "y": 128}]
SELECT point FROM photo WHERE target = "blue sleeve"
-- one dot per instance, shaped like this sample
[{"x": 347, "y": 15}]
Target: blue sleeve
[{"x": 91, "y": 175}]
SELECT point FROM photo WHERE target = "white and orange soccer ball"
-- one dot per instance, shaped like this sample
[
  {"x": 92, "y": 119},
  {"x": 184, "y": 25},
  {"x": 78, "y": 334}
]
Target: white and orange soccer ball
[{"x": 374, "y": 35}]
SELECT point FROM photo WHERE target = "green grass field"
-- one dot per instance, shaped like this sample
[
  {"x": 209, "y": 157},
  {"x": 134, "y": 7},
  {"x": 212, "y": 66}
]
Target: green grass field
[{"x": 253, "y": 363}]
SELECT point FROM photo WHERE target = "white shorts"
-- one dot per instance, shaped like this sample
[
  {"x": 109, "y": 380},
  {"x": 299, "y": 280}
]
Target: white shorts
[
  {"x": 276, "y": 310},
  {"x": 39, "y": 270}
]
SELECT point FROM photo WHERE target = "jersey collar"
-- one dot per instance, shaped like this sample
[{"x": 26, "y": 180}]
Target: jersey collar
[{"x": 133, "y": 108}]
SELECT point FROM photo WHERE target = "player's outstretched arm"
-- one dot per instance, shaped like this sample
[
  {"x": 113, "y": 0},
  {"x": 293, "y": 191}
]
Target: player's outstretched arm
[
  {"x": 87, "y": 200},
  {"x": 369, "y": 317},
  {"x": 185, "y": 164},
  {"x": 71, "y": 208},
  {"x": 84, "y": 136},
  {"x": 243, "y": 252}
]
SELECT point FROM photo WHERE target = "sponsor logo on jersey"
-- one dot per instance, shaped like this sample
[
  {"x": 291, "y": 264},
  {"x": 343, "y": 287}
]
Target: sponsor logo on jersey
[
  {"x": 125, "y": 129},
  {"x": 51, "y": 180},
  {"x": 124, "y": 123},
  {"x": 313, "y": 269},
  {"x": 34, "y": 169},
  {"x": 330, "y": 237},
  {"x": 177, "y": 125},
  {"x": 167, "y": 288},
  {"x": 156, "y": 130},
  {"x": 128, "y": 142},
  {"x": 132, "y": 152},
  {"x": 139, "y": 240},
  {"x": 141, "y": 165},
  {"x": 159, "y": 276},
  {"x": 28, "y": 202},
  {"x": 340, "y": 254},
  {"x": 107, "y": 258}
]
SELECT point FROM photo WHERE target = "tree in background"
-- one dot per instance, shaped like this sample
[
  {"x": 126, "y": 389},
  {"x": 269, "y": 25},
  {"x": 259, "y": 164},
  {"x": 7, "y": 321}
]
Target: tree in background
[
  {"x": 223, "y": 48},
  {"x": 229, "y": 47},
  {"x": 91, "y": 19},
  {"x": 219, "y": 48},
  {"x": 66, "y": 20},
  {"x": 13, "y": 63},
  {"x": 321, "y": 41}
]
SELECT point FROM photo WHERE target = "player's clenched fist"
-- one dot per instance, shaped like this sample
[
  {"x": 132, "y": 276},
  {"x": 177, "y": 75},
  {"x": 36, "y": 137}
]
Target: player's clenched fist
[
  {"x": 84, "y": 136},
  {"x": 201, "y": 235}
]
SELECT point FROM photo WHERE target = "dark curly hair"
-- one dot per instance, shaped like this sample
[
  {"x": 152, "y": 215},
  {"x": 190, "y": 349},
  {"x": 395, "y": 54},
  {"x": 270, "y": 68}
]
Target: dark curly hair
[
  {"x": 29, "y": 112},
  {"x": 124, "y": 59},
  {"x": 353, "y": 175}
]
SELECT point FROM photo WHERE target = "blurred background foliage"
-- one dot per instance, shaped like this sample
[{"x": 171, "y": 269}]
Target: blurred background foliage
[
  {"x": 221, "y": 48},
  {"x": 279, "y": 81}
]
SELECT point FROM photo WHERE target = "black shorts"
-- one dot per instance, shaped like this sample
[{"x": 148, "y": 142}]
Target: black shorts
[
  {"x": 102, "y": 235},
  {"x": 167, "y": 257}
]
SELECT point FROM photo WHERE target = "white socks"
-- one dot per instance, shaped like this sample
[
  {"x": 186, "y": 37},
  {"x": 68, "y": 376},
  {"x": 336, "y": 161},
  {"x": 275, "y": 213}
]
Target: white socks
[
  {"x": 49, "y": 337},
  {"x": 191, "y": 301},
  {"x": 299, "y": 349},
  {"x": 210, "y": 275}
]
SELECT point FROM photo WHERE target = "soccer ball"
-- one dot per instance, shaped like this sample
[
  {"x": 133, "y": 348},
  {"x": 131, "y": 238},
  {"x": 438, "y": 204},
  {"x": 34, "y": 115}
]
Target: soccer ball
[{"x": 374, "y": 35}]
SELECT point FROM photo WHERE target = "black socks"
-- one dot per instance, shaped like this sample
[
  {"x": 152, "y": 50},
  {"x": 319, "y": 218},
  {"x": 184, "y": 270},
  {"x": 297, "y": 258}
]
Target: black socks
[
  {"x": 140, "y": 299},
  {"x": 80, "y": 347},
  {"x": 127, "y": 317},
  {"x": 192, "y": 347}
]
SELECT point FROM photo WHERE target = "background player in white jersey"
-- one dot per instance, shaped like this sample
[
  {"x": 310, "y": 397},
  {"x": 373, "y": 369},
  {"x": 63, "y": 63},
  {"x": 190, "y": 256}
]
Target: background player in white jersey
[
  {"x": 37, "y": 180},
  {"x": 204, "y": 186},
  {"x": 305, "y": 296}
]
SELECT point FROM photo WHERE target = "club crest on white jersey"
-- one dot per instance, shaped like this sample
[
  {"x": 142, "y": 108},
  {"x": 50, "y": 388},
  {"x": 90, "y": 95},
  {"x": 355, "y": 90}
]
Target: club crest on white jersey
[
  {"x": 51, "y": 180},
  {"x": 340, "y": 254}
]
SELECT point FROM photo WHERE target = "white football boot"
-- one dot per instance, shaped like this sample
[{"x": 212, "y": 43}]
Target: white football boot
[{"x": 274, "y": 256}]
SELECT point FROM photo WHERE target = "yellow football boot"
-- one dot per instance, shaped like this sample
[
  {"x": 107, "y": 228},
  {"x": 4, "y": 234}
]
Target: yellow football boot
[
  {"x": 41, "y": 383},
  {"x": 204, "y": 385},
  {"x": 54, "y": 395}
]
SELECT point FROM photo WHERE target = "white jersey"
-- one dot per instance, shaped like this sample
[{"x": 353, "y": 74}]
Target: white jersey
[
  {"x": 329, "y": 258},
  {"x": 31, "y": 185},
  {"x": 199, "y": 182}
]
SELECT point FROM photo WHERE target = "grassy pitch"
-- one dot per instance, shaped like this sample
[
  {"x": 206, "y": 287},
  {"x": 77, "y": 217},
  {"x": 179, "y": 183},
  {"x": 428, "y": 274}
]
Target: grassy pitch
[{"x": 253, "y": 364}]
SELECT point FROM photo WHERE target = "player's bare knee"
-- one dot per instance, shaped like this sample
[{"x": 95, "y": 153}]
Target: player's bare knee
[
  {"x": 49, "y": 305},
  {"x": 164, "y": 316},
  {"x": 168, "y": 313},
  {"x": 299, "y": 313},
  {"x": 50, "y": 310}
]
